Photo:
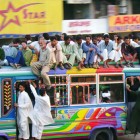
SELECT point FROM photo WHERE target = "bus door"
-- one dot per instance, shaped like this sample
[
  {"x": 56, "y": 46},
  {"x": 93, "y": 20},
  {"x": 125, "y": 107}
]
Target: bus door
[
  {"x": 17, "y": 80},
  {"x": 132, "y": 83}
]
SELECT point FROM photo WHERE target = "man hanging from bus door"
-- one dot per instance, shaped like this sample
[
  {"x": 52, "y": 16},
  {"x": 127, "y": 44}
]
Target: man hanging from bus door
[
  {"x": 24, "y": 113},
  {"x": 41, "y": 112}
]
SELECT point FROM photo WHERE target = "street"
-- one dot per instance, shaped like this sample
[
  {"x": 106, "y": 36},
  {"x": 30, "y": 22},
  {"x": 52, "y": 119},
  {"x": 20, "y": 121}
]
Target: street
[{"x": 129, "y": 137}]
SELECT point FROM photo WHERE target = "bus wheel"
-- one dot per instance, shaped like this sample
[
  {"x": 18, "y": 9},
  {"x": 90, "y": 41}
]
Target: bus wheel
[
  {"x": 3, "y": 138},
  {"x": 102, "y": 134}
]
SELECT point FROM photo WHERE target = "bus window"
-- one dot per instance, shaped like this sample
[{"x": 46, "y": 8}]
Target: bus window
[
  {"x": 83, "y": 89},
  {"x": 111, "y": 90},
  {"x": 59, "y": 92}
]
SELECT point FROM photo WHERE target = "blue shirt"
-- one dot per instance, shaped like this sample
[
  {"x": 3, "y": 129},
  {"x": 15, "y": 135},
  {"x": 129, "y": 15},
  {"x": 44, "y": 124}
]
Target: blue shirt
[
  {"x": 86, "y": 47},
  {"x": 103, "y": 46}
]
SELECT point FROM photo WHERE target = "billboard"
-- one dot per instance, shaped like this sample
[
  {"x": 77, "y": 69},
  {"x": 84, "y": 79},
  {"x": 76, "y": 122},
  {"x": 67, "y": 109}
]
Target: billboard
[
  {"x": 124, "y": 23},
  {"x": 85, "y": 26},
  {"x": 30, "y": 16}
]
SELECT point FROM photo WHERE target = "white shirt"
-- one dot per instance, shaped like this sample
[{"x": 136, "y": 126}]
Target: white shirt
[
  {"x": 93, "y": 99},
  {"x": 36, "y": 45},
  {"x": 25, "y": 107},
  {"x": 42, "y": 108},
  {"x": 134, "y": 44}
]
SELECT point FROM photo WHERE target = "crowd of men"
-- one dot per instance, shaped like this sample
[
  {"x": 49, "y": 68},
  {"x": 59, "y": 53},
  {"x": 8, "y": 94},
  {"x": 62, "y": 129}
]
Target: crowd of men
[{"x": 49, "y": 52}]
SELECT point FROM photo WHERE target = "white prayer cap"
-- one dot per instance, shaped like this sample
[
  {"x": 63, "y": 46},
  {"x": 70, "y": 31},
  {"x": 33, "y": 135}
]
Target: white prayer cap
[{"x": 106, "y": 94}]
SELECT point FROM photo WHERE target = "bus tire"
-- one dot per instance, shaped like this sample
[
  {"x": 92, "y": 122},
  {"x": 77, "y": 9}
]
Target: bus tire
[
  {"x": 102, "y": 134},
  {"x": 3, "y": 138}
]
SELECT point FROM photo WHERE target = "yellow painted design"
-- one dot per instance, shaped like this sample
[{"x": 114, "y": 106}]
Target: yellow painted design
[
  {"x": 62, "y": 112},
  {"x": 80, "y": 116},
  {"x": 107, "y": 114},
  {"x": 74, "y": 70},
  {"x": 88, "y": 127}
]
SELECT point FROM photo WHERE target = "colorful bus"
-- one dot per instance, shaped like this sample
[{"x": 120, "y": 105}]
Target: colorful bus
[{"x": 75, "y": 115}]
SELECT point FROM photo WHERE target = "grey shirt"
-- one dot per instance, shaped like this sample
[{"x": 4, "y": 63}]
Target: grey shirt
[{"x": 45, "y": 56}]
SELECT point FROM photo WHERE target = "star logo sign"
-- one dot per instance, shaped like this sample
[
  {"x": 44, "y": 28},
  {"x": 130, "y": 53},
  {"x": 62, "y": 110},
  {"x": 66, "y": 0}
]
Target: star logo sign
[{"x": 10, "y": 15}]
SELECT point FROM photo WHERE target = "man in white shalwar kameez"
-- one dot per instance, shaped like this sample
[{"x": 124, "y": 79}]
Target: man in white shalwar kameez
[
  {"x": 41, "y": 113},
  {"x": 24, "y": 112}
]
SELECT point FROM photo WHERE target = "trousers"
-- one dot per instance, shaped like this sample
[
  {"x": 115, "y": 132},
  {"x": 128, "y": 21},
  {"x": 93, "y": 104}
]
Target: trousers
[
  {"x": 40, "y": 70},
  {"x": 19, "y": 59}
]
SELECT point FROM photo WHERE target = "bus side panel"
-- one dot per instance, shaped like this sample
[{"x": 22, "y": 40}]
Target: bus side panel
[
  {"x": 79, "y": 122},
  {"x": 7, "y": 118}
]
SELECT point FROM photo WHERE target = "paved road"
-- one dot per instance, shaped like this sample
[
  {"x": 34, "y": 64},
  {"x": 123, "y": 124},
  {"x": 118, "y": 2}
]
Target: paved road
[{"x": 129, "y": 137}]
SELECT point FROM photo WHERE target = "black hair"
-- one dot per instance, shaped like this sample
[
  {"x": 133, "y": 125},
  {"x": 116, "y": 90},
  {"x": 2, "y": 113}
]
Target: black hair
[
  {"x": 42, "y": 91},
  {"x": 135, "y": 37},
  {"x": 53, "y": 38},
  {"x": 105, "y": 99},
  {"x": 94, "y": 37},
  {"x": 126, "y": 37},
  {"x": 66, "y": 38},
  {"x": 23, "y": 41},
  {"x": 17, "y": 40},
  {"x": 78, "y": 37},
  {"x": 46, "y": 36},
  {"x": 27, "y": 37},
  {"x": 58, "y": 37},
  {"x": 88, "y": 36},
  {"x": 64, "y": 34},
  {"x": 99, "y": 35},
  {"x": 36, "y": 37},
  {"x": 106, "y": 36},
  {"x": 22, "y": 84},
  {"x": 119, "y": 38}
]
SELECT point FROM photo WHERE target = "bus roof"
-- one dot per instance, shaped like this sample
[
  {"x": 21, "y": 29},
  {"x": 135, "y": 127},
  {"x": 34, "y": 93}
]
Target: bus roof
[{"x": 25, "y": 71}]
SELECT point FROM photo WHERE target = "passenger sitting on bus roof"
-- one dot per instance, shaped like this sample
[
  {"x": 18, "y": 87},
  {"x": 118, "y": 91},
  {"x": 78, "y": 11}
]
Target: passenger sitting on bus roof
[
  {"x": 93, "y": 97},
  {"x": 28, "y": 39},
  {"x": 36, "y": 45},
  {"x": 117, "y": 47},
  {"x": 96, "y": 63},
  {"x": 135, "y": 44},
  {"x": 3, "y": 61},
  {"x": 44, "y": 64},
  {"x": 128, "y": 51},
  {"x": 107, "y": 51},
  {"x": 99, "y": 39},
  {"x": 70, "y": 53},
  {"x": 11, "y": 49},
  {"x": 57, "y": 55},
  {"x": 23, "y": 57},
  {"x": 78, "y": 44},
  {"x": 91, "y": 50},
  {"x": 133, "y": 123},
  {"x": 46, "y": 37}
]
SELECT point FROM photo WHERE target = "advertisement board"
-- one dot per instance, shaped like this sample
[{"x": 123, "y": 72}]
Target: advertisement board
[
  {"x": 30, "y": 16},
  {"x": 85, "y": 26},
  {"x": 124, "y": 23}
]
